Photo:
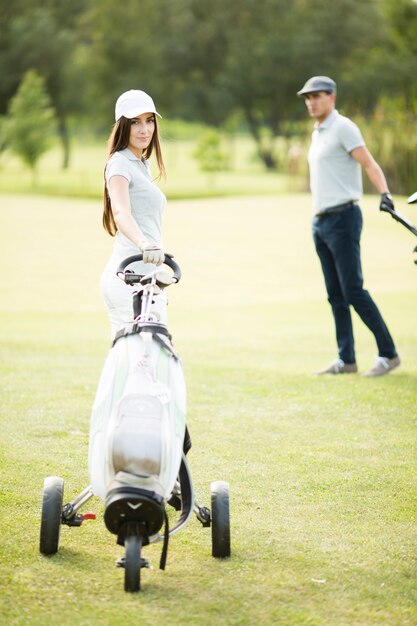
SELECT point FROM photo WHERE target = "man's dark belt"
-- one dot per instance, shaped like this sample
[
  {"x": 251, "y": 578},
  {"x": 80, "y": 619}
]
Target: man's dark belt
[{"x": 335, "y": 209}]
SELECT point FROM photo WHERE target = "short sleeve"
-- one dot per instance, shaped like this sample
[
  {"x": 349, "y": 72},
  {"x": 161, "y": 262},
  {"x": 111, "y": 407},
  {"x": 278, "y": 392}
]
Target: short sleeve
[
  {"x": 350, "y": 136},
  {"x": 117, "y": 167}
]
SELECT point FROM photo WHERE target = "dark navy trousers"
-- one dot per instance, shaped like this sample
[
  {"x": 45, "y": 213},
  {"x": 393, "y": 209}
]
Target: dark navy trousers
[{"x": 337, "y": 240}]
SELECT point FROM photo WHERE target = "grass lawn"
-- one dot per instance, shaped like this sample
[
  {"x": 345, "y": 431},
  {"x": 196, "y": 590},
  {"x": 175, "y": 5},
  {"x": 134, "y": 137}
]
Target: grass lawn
[{"x": 322, "y": 470}]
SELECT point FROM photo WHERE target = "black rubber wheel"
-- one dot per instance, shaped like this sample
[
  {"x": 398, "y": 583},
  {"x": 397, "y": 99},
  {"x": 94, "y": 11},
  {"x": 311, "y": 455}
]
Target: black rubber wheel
[
  {"x": 133, "y": 546},
  {"x": 220, "y": 519},
  {"x": 52, "y": 502}
]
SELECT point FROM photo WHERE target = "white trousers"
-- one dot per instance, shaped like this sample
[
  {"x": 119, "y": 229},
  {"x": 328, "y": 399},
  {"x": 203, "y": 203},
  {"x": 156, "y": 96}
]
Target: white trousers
[{"x": 118, "y": 298}]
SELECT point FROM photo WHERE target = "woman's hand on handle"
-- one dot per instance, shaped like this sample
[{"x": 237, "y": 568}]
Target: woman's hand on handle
[{"x": 151, "y": 253}]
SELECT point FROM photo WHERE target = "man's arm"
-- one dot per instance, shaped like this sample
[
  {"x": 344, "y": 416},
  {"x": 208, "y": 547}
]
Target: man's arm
[
  {"x": 375, "y": 175},
  {"x": 371, "y": 167}
]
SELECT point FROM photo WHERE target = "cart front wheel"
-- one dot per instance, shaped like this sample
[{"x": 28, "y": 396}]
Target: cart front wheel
[
  {"x": 132, "y": 565},
  {"x": 220, "y": 519},
  {"x": 52, "y": 502}
]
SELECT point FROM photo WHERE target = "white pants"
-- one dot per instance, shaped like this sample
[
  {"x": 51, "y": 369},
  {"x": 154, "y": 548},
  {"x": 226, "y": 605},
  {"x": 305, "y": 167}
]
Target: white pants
[{"x": 118, "y": 298}]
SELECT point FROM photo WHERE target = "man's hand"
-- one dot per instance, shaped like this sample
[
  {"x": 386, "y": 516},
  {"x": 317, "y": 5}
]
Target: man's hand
[
  {"x": 151, "y": 253},
  {"x": 386, "y": 203}
]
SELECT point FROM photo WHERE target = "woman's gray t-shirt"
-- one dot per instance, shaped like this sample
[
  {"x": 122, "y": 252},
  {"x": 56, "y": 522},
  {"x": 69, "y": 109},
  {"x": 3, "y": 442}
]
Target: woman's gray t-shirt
[{"x": 146, "y": 200}]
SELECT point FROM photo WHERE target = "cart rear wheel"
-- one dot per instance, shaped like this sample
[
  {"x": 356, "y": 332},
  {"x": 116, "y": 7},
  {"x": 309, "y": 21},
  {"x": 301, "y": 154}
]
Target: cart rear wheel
[
  {"x": 52, "y": 501},
  {"x": 220, "y": 519},
  {"x": 132, "y": 565}
]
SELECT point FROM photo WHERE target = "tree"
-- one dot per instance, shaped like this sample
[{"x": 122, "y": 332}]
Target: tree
[
  {"x": 3, "y": 138},
  {"x": 252, "y": 57},
  {"x": 273, "y": 51},
  {"x": 208, "y": 60},
  {"x": 31, "y": 120},
  {"x": 44, "y": 36},
  {"x": 125, "y": 50},
  {"x": 209, "y": 154}
]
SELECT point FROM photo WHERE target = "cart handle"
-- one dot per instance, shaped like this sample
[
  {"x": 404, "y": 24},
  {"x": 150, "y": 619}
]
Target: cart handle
[{"x": 131, "y": 277}]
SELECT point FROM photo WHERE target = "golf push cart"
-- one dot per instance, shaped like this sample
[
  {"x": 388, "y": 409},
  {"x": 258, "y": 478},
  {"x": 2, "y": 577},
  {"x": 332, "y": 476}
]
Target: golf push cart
[
  {"x": 138, "y": 443},
  {"x": 403, "y": 220}
]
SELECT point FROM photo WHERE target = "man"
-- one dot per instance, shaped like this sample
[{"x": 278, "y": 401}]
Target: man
[{"x": 335, "y": 157}]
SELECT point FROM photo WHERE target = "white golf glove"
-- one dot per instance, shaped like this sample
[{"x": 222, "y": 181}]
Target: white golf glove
[{"x": 151, "y": 253}]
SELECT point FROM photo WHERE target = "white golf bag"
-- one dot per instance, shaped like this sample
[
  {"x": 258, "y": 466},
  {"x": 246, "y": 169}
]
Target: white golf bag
[{"x": 138, "y": 417}]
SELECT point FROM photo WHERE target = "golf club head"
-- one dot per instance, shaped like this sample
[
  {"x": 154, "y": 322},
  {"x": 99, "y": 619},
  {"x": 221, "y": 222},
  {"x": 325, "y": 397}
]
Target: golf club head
[{"x": 412, "y": 199}]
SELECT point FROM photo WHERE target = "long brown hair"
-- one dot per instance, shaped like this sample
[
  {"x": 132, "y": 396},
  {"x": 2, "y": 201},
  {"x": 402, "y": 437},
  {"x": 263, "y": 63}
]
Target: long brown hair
[{"x": 119, "y": 140}]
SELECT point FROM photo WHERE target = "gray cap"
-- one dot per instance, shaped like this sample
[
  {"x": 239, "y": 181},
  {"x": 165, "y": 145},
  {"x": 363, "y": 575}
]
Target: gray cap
[{"x": 318, "y": 83}]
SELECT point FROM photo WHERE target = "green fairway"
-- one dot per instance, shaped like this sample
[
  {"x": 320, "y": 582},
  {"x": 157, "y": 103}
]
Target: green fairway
[{"x": 322, "y": 470}]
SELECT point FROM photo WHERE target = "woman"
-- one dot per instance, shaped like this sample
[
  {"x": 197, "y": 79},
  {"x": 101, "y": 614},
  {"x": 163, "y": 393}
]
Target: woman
[{"x": 133, "y": 204}]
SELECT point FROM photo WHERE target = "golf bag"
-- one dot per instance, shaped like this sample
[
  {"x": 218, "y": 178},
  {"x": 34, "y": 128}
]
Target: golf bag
[{"x": 138, "y": 417}]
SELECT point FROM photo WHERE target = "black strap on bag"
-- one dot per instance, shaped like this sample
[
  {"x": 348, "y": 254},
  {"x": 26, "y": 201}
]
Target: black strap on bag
[
  {"x": 165, "y": 345},
  {"x": 164, "y": 553},
  {"x": 187, "y": 504},
  {"x": 143, "y": 328}
]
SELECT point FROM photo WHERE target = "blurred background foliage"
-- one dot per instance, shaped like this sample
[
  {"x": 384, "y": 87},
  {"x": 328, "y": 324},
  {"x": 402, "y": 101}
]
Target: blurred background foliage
[{"x": 229, "y": 66}]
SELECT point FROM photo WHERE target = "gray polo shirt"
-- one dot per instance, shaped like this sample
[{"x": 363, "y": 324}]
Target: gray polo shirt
[
  {"x": 335, "y": 176},
  {"x": 146, "y": 199}
]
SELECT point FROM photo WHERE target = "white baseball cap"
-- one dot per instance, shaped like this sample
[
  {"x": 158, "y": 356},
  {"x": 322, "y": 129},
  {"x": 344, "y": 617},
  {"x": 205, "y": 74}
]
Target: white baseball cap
[{"x": 133, "y": 103}]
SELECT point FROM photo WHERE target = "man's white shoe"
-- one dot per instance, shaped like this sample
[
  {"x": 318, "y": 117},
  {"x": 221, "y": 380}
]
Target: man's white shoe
[
  {"x": 339, "y": 367},
  {"x": 383, "y": 366}
]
